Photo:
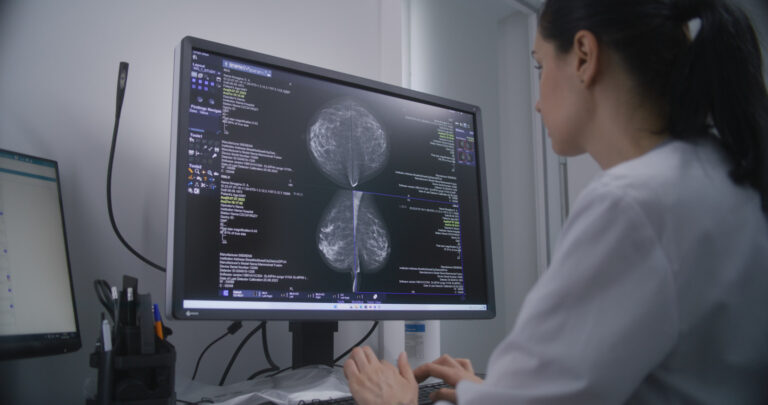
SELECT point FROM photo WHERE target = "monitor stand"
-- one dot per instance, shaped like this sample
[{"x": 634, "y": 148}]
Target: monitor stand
[{"x": 312, "y": 342}]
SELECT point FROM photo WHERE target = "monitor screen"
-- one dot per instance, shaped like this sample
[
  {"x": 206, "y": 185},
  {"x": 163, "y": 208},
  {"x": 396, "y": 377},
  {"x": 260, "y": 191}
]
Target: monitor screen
[
  {"x": 300, "y": 193},
  {"x": 37, "y": 309}
]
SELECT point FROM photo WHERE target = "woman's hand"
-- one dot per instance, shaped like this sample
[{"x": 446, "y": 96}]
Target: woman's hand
[
  {"x": 449, "y": 370},
  {"x": 374, "y": 382}
]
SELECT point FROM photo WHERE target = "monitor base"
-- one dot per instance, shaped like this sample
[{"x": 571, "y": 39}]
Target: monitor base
[{"x": 312, "y": 342}]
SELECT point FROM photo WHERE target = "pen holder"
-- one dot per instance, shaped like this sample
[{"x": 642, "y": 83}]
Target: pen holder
[
  {"x": 136, "y": 379},
  {"x": 140, "y": 370}
]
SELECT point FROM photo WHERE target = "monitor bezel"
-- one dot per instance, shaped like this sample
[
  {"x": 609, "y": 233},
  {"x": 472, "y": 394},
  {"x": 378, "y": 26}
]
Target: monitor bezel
[
  {"x": 45, "y": 344},
  {"x": 175, "y": 251}
]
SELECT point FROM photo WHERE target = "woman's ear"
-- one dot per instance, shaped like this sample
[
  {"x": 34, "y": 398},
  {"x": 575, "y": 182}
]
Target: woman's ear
[{"x": 586, "y": 52}]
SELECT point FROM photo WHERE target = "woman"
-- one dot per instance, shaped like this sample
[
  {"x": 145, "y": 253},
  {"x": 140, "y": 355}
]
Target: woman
[{"x": 658, "y": 290}]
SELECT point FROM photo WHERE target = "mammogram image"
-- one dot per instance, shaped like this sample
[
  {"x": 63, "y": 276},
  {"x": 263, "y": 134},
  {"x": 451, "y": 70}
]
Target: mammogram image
[
  {"x": 350, "y": 147},
  {"x": 347, "y": 143},
  {"x": 352, "y": 236}
]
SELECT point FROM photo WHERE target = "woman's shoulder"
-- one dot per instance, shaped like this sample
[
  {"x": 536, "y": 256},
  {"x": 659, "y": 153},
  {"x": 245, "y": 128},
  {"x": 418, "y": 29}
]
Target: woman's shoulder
[
  {"x": 674, "y": 175},
  {"x": 678, "y": 187},
  {"x": 683, "y": 192}
]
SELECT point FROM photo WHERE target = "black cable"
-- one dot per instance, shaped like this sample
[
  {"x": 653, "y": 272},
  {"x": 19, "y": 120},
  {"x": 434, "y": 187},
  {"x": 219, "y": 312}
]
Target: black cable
[
  {"x": 262, "y": 371},
  {"x": 231, "y": 330},
  {"x": 361, "y": 341},
  {"x": 272, "y": 365},
  {"x": 266, "y": 348},
  {"x": 200, "y": 402},
  {"x": 239, "y": 348},
  {"x": 279, "y": 372},
  {"x": 104, "y": 294},
  {"x": 121, "y": 80},
  {"x": 200, "y": 358}
]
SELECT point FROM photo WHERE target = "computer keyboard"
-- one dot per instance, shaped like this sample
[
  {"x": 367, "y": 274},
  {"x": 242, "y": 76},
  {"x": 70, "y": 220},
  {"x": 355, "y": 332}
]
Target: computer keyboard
[{"x": 424, "y": 391}]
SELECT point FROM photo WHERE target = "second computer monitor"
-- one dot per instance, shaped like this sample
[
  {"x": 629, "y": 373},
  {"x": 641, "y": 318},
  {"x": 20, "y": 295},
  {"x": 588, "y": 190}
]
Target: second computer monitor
[
  {"x": 37, "y": 304},
  {"x": 302, "y": 193}
]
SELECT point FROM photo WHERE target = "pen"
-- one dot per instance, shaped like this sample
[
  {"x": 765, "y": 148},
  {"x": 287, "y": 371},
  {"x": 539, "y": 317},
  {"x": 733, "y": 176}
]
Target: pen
[
  {"x": 158, "y": 321},
  {"x": 106, "y": 335},
  {"x": 131, "y": 310},
  {"x": 100, "y": 338},
  {"x": 115, "y": 307},
  {"x": 104, "y": 395}
]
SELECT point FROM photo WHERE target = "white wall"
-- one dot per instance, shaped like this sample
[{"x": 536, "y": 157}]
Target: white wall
[
  {"x": 57, "y": 74},
  {"x": 518, "y": 201}
]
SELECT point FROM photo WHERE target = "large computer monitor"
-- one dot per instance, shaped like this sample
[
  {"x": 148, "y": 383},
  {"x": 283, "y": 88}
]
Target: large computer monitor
[
  {"x": 300, "y": 193},
  {"x": 37, "y": 308}
]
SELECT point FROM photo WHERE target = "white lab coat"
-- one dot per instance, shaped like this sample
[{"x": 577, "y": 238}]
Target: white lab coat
[{"x": 657, "y": 294}]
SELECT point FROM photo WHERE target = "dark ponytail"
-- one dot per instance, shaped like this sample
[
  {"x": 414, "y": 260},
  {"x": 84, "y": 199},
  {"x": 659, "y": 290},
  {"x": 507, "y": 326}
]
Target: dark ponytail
[{"x": 706, "y": 85}]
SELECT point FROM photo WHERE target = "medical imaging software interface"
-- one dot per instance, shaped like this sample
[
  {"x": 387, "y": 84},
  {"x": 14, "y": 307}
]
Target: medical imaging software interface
[{"x": 307, "y": 190}]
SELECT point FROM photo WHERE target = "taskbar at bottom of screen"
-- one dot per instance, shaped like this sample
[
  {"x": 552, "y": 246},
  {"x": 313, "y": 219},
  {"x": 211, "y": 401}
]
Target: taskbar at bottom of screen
[{"x": 326, "y": 306}]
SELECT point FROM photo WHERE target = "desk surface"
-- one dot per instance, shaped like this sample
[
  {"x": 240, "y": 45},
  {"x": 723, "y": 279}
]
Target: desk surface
[{"x": 305, "y": 384}]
